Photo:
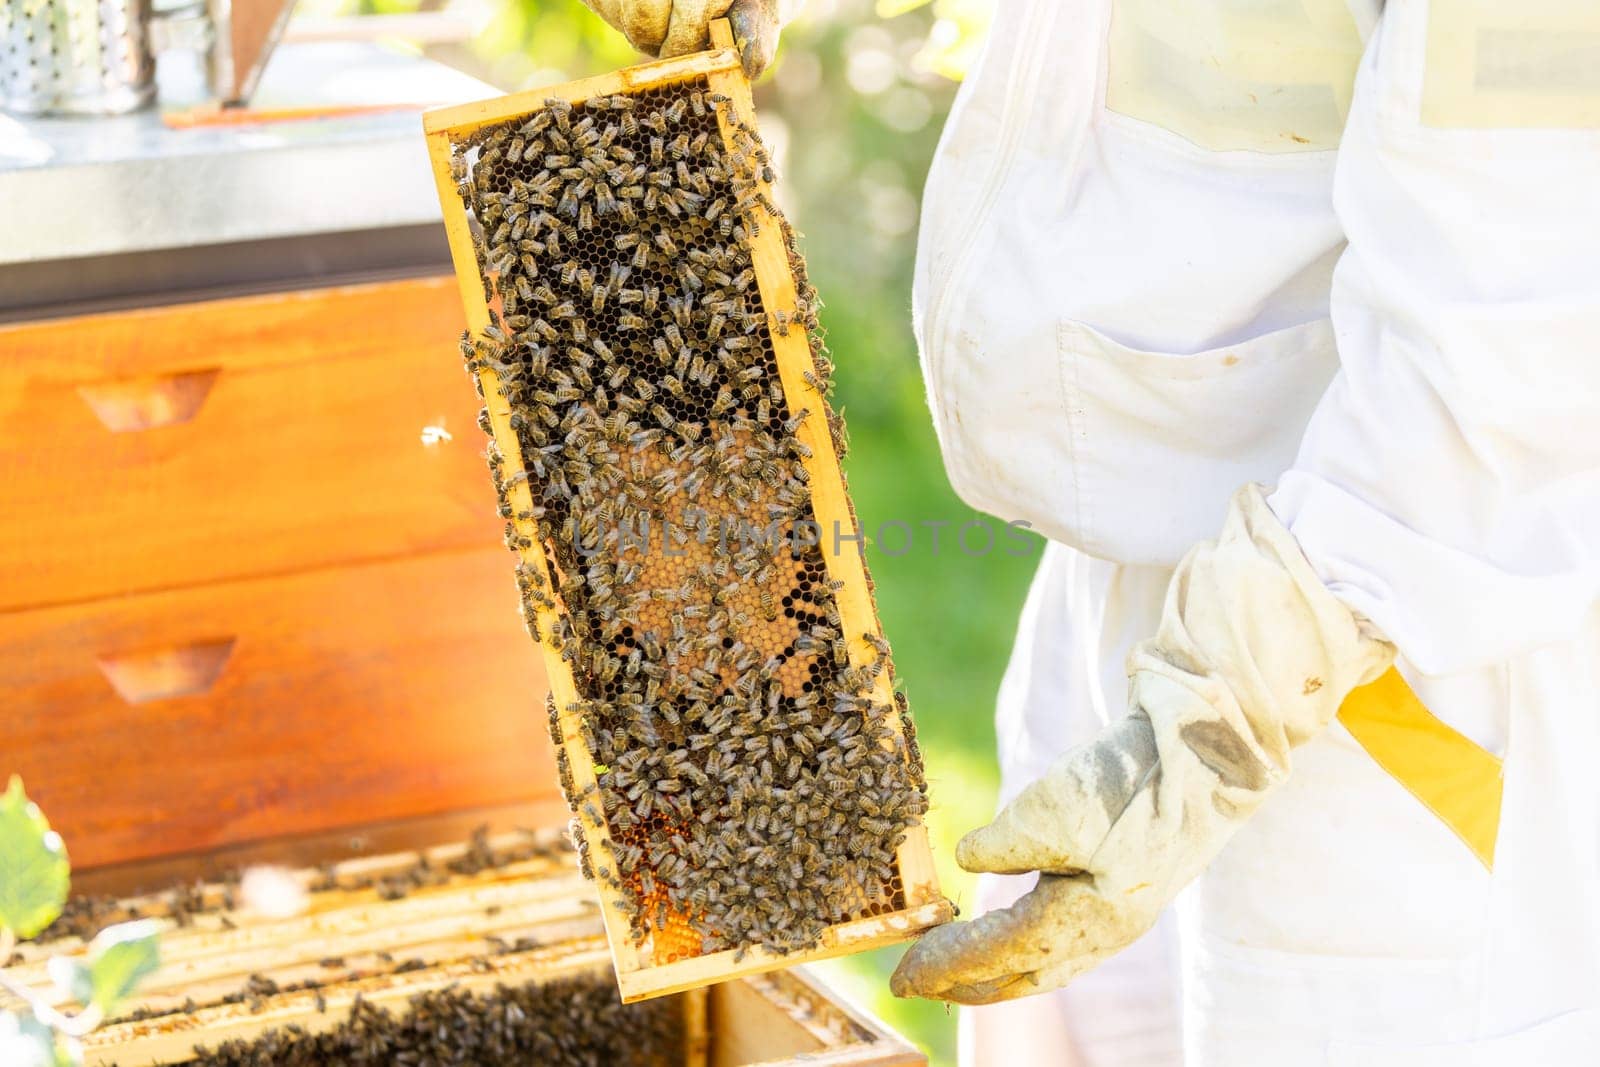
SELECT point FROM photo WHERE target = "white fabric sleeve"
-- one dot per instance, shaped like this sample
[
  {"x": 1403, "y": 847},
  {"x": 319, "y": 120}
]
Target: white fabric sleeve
[
  {"x": 1252, "y": 659},
  {"x": 1448, "y": 486}
]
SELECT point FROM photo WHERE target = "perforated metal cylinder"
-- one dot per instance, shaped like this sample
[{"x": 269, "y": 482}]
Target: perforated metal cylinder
[{"x": 82, "y": 57}]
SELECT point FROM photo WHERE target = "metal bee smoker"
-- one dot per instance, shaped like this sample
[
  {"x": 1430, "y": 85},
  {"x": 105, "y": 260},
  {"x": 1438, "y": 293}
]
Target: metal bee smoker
[
  {"x": 745, "y": 782},
  {"x": 98, "y": 57},
  {"x": 76, "y": 57}
]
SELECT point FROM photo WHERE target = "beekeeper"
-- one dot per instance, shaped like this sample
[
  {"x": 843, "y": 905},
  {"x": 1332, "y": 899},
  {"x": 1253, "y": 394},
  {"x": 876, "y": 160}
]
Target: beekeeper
[{"x": 1171, "y": 250}]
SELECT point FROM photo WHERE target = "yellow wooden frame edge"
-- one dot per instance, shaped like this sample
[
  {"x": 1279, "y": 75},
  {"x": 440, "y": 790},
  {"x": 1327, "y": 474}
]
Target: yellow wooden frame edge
[{"x": 925, "y": 906}]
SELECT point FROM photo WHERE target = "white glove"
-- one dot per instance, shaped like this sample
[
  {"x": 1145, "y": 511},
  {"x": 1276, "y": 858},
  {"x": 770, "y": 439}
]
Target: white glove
[
  {"x": 1252, "y": 658},
  {"x": 673, "y": 27}
]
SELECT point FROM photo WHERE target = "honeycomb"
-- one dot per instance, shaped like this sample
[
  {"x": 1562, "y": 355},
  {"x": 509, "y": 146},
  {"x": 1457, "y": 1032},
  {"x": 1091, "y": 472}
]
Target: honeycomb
[
  {"x": 753, "y": 787},
  {"x": 566, "y": 1022}
]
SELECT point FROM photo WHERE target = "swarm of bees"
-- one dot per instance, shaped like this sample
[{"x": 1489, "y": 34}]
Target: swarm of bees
[
  {"x": 753, "y": 784},
  {"x": 572, "y": 1022}
]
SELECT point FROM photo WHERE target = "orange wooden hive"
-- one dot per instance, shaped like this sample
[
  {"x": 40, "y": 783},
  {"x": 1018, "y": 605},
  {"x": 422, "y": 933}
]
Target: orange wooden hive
[{"x": 243, "y": 583}]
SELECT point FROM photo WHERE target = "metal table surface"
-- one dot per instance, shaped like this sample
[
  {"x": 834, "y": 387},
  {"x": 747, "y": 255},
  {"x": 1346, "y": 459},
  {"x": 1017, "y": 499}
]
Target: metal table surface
[{"x": 109, "y": 210}]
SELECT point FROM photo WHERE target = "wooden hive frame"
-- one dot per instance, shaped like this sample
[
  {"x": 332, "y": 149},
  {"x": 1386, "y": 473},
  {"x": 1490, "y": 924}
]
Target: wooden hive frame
[
  {"x": 436, "y": 937},
  {"x": 642, "y": 974},
  {"x": 448, "y": 930}
]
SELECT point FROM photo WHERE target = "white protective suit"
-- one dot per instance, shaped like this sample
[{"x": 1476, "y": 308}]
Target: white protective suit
[{"x": 1134, "y": 294}]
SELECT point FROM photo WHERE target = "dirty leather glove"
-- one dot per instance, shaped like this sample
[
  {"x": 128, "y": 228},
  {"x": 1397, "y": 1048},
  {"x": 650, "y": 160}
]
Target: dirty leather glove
[
  {"x": 1252, "y": 658},
  {"x": 667, "y": 28}
]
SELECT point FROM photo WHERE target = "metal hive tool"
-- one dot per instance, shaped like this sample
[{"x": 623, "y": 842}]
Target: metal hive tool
[{"x": 746, "y": 783}]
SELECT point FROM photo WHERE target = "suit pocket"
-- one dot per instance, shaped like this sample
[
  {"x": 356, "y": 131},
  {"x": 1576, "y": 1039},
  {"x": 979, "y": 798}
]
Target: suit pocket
[
  {"x": 1159, "y": 442},
  {"x": 1265, "y": 76}
]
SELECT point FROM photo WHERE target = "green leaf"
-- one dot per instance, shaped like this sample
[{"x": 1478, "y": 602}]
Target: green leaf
[
  {"x": 27, "y": 1042},
  {"x": 33, "y": 865},
  {"x": 119, "y": 959}
]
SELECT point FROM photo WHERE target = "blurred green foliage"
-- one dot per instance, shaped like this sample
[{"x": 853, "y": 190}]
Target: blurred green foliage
[{"x": 852, "y": 111}]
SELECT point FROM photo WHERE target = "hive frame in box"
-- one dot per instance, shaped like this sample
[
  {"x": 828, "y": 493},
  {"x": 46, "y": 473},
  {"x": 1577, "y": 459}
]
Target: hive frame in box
[
  {"x": 214, "y": 950},
  {"x": 639, "y": 976},
  {"x": 538, "y": 900}
]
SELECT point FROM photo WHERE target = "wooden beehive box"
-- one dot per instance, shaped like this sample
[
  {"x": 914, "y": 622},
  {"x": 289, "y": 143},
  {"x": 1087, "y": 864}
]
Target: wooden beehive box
[
  {"x": 256, "y": 623},
  {"x": 660, "y": 944},
  {"x": 509, "y": 912}
]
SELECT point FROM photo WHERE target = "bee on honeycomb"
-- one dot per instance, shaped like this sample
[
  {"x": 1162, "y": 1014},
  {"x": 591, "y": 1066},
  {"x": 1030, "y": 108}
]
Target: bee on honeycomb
[
  {"x": 752, "y": 781},
  {"x": 566, "y": 1022}
]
